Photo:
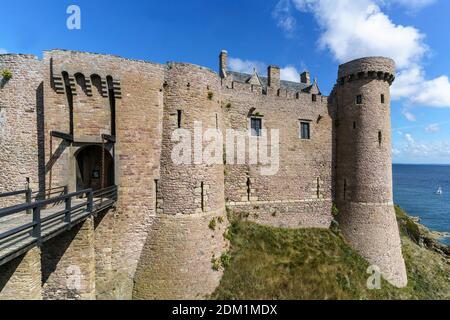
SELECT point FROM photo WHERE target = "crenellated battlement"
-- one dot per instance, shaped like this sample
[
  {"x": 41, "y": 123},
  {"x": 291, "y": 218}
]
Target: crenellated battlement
[
  {"x": 378, "y": 75},
  {"x": 379, "y": 68}
]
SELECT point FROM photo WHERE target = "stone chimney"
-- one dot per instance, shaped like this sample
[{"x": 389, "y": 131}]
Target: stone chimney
[
  {"x": 305, "y": 78},
  {"x": 223, "y": 63},
  {"x": 274, "y": 77}
]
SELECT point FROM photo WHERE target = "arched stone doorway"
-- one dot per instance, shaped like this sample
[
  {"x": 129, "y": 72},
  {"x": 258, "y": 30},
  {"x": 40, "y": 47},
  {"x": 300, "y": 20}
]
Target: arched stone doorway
[{"x": 90, "y": 174}]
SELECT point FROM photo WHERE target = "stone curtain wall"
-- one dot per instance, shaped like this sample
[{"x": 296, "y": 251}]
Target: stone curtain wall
[
  {"x": 364, "y": 165},
  {"x": 290, "y": 197},
  {"x": 177, "y": 259},
  {"x": 19, "y": 98}
]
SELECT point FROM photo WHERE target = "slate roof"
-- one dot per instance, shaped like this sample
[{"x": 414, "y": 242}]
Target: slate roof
[{"x": 288, "y": 85}]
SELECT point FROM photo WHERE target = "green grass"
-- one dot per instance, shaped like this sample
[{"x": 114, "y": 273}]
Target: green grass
[{"x": 271, "y": 263}]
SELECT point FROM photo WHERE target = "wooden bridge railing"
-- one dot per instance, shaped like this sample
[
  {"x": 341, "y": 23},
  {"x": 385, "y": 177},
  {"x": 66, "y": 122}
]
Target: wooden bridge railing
[
  {"x": 18, "y": 235},
  {"x": 31, "y": 195}
]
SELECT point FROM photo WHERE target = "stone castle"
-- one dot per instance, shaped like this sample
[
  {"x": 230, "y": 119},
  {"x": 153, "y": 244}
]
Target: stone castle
[{"x": 86, "y": 120}]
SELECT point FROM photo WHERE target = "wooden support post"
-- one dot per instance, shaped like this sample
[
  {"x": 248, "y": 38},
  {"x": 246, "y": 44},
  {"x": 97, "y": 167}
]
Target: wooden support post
[
  {"x": 68, "y": 215},
  {"x": 28, "y": 198},
  {"x": 37, "y": 227},
  {"x": 90, "y": 206}
]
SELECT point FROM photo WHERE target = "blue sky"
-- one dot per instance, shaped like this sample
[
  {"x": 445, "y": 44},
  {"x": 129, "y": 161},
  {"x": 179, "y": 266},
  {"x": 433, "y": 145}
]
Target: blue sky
[{"x": 295, "y": 34}]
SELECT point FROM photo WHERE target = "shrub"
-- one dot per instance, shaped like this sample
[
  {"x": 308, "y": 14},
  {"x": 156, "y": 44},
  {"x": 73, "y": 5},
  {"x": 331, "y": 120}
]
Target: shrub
[
  {"x": 212, "y": 224},
  {"x": 7, "y": 75},
  {"x": 334, "y": 210},
  {"x": 210, "y": 95},
  {"x": 215, "y": 264},
  {"x": 225, "y": 259},
  {"x": 228, "y": 235}
]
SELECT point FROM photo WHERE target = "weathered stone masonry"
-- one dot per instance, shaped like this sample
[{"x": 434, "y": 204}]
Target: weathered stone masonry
[
  {"x": 158, "y": 242},
  {"x": 364, "y": 165}
]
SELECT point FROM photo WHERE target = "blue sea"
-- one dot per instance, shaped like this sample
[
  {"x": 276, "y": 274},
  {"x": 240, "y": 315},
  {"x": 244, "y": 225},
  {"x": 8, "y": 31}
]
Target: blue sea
[{"x": 415, "y": 189}]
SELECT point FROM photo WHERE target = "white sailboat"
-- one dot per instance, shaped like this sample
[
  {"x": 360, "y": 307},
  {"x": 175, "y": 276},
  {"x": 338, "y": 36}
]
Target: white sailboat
[{"x": 439, "y": 191}]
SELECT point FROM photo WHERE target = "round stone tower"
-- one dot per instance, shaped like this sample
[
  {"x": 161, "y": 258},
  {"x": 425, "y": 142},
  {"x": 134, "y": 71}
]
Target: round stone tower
[
  {"x": 21, "y": 95},
  {"x": 186, "y": 242},
  {"x": 364, "y": 194}
]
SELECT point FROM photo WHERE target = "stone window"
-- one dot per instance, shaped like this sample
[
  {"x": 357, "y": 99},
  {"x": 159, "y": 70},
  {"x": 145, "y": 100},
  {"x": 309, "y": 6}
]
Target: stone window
[
  {"x": 345, "y": 189},
  {"x": 359, "y": 99},
  {"x": 382, "y": 99},
  {"x": 380, "y": 138},
  {"x": 249, "y": 189},
  {"x": 314, "y": 97},
  {"x": 112, "y": 99},
  {"x": 156, "y": 193},
  {"x": 318, "y": 188},
  {"x": 354, "y": 125},
  {"x": 202, "y": 186},
  {"x": 179, "y": 118},
  {"x": 256, "y": 126},
  {"x": 305, "y": 130}
]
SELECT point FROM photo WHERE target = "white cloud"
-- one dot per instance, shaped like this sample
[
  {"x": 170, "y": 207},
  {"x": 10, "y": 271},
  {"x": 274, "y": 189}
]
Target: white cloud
[
  {"x": 409, "y": 138},
  {"x": 433, "y": 93},
  {"x": 412, "y": 85},
  {"x": 288, "y": 73},
  {"x": 283, "y": 15},
  {"x": 407, "y": 82},
  {"x": 433, "y": 128},
  {"x": 408, "y": 115},
  {"x": 246, "y": 66},
  {"x": 421, "y": 151},
  {"x": 353, "y": 29},
  {"x": 424, "y": 151},
  {"x": 3, "y": 51},
  {"x": 396, "y": 152}
]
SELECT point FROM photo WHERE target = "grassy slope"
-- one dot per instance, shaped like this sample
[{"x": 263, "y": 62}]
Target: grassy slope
[{"x": 270, "y": 263}]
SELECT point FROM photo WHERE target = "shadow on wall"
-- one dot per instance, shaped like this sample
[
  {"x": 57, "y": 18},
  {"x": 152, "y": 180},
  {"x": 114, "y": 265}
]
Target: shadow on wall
[
  {"x": 3, "y": 83},
  {"x": 55, "y": 155},
  {"x": 40, "y": 136},
  {"x": 53, "y": 251},
  {"x": 333, "y": 112},
  {"x": 8, "y": 270}
]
